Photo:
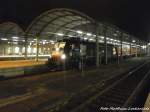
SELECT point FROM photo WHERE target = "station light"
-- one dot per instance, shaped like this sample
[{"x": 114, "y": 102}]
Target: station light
[
  {"x": 44, "y": 42},
  {"x": 111, "y": 39},
  {"x": 60, "y": 34},
  {"x": 133, "y": 41},
  {"x": 94, "y": 35},
  {"x": 89, "y": 34},
  {"x": 57, "y": 49},
  {"x": 85, "y": 38},
  {"x": 63, "y": 56},
  {"x": 70, "y": 36},
  {"x": 4, "y": 39},
  {"x": 15, "y": 37},
  {"x": 34, "y": 50},
  {"x": 115, "y": 34},
  {"x": 29, "y": 50},
  {"x": 91, "y": 39},
  {"x": 16, "y": 49},
  {"x": 144, "y": 47},
  {"x": 80, "y": 32}
]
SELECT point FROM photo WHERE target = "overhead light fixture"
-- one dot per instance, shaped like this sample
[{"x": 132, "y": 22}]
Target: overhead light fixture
[
  {"x": 4, "y": 39},
  {"x": 102, "y": 37},
  {"x": 85, "y": 38},
  {"x": 44, "y": 42},
  {"x": 133, "y": 41},
  {"x": 15, "y": 37},
  {"x": 91, "y": 39},
  {"x": 70, "y": 36},
  {"x": 94, "y": 35},
  {"x": 60, "y": 34},
  {"x": 80, "y": 32},
  {"x": 63, "y": 56},
  {"x": 89, "y": 34}
]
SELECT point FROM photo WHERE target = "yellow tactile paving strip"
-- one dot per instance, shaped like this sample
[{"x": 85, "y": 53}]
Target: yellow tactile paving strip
[{"x": 19, "y": 63}]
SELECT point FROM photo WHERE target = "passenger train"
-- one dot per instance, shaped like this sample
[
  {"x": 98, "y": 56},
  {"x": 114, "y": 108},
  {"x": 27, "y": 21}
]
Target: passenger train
[{"x": 76, "y": 53}]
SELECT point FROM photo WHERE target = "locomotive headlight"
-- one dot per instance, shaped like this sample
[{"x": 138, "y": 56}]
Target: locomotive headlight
[
  {"x": 63, "y": 56},
  {"x": 57, "y": 49}
]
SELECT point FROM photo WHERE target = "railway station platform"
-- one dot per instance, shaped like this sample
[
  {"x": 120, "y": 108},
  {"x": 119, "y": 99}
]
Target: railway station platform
[
  {"x": 19, "y": 68},
  {"x": 45, "y": 90},
  {"x": 20, "y": 63}
]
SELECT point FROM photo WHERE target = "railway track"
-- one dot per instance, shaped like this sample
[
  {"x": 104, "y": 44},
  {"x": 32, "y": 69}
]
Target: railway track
[{"x": 112, "y": 94}]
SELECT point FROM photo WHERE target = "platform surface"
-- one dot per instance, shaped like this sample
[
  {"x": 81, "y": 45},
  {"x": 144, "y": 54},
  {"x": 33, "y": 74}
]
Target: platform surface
[
  {"x": 20, "y": 63},
  {"x": 147, "y": 104}
]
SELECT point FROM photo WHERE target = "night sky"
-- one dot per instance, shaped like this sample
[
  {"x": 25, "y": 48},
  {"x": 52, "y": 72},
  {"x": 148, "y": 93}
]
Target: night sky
[{"x": 132, "y": 16}]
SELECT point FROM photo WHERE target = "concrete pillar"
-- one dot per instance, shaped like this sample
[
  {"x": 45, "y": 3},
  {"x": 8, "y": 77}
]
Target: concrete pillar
[
  {"x": 26, "y": 48},
  {"x": 97, "y": 47},
  {"x": 121, "y": 38},
  {"x": 105, "y": 43},
  {"x": 37, "y": 49},
  {"x": 136, "y": 49},
  {"x": 130, "y": 46}
]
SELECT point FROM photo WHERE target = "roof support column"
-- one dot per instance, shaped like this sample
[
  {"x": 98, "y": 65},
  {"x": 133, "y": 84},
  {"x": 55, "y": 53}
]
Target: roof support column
[
  {"x": 121, "y": 37},
  {"x": 26, "y": 48},
  {"x": 105, "y": 43},
  {"x": 136, "y": 49},
  {"x": 37, "y": 49},
  {"x": 130, "y": 46},
  {"x": 146, "y": 51},
  {"x": 97, "y": 47}
]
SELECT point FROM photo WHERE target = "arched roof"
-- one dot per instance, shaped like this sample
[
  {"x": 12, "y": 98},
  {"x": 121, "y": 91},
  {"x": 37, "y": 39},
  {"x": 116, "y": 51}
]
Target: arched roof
[
  {"x": 10, "y": 29},
  {"x": 65, "y": 21}
]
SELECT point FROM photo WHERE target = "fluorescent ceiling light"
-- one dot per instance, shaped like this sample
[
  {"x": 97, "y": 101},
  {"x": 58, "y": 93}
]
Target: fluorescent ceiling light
[
  {"x": 60, "y": 34},
  {"x": 15, "y": 37},
  {"x": 4, "y": 39},
  {"x": 85, "y": 38},
  {"x": 80, "y": 32},
  {"x": 102, "y": 37},
  {"x": 89, "y": 34}
]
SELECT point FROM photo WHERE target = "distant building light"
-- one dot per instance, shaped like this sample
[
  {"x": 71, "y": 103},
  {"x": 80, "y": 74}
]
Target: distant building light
[
  {"x": 60, "y": 34},
  {"x": 89, "y": 34},
  {"x": 80, "y": 32},
  {"x": 4, "y": 39}
]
